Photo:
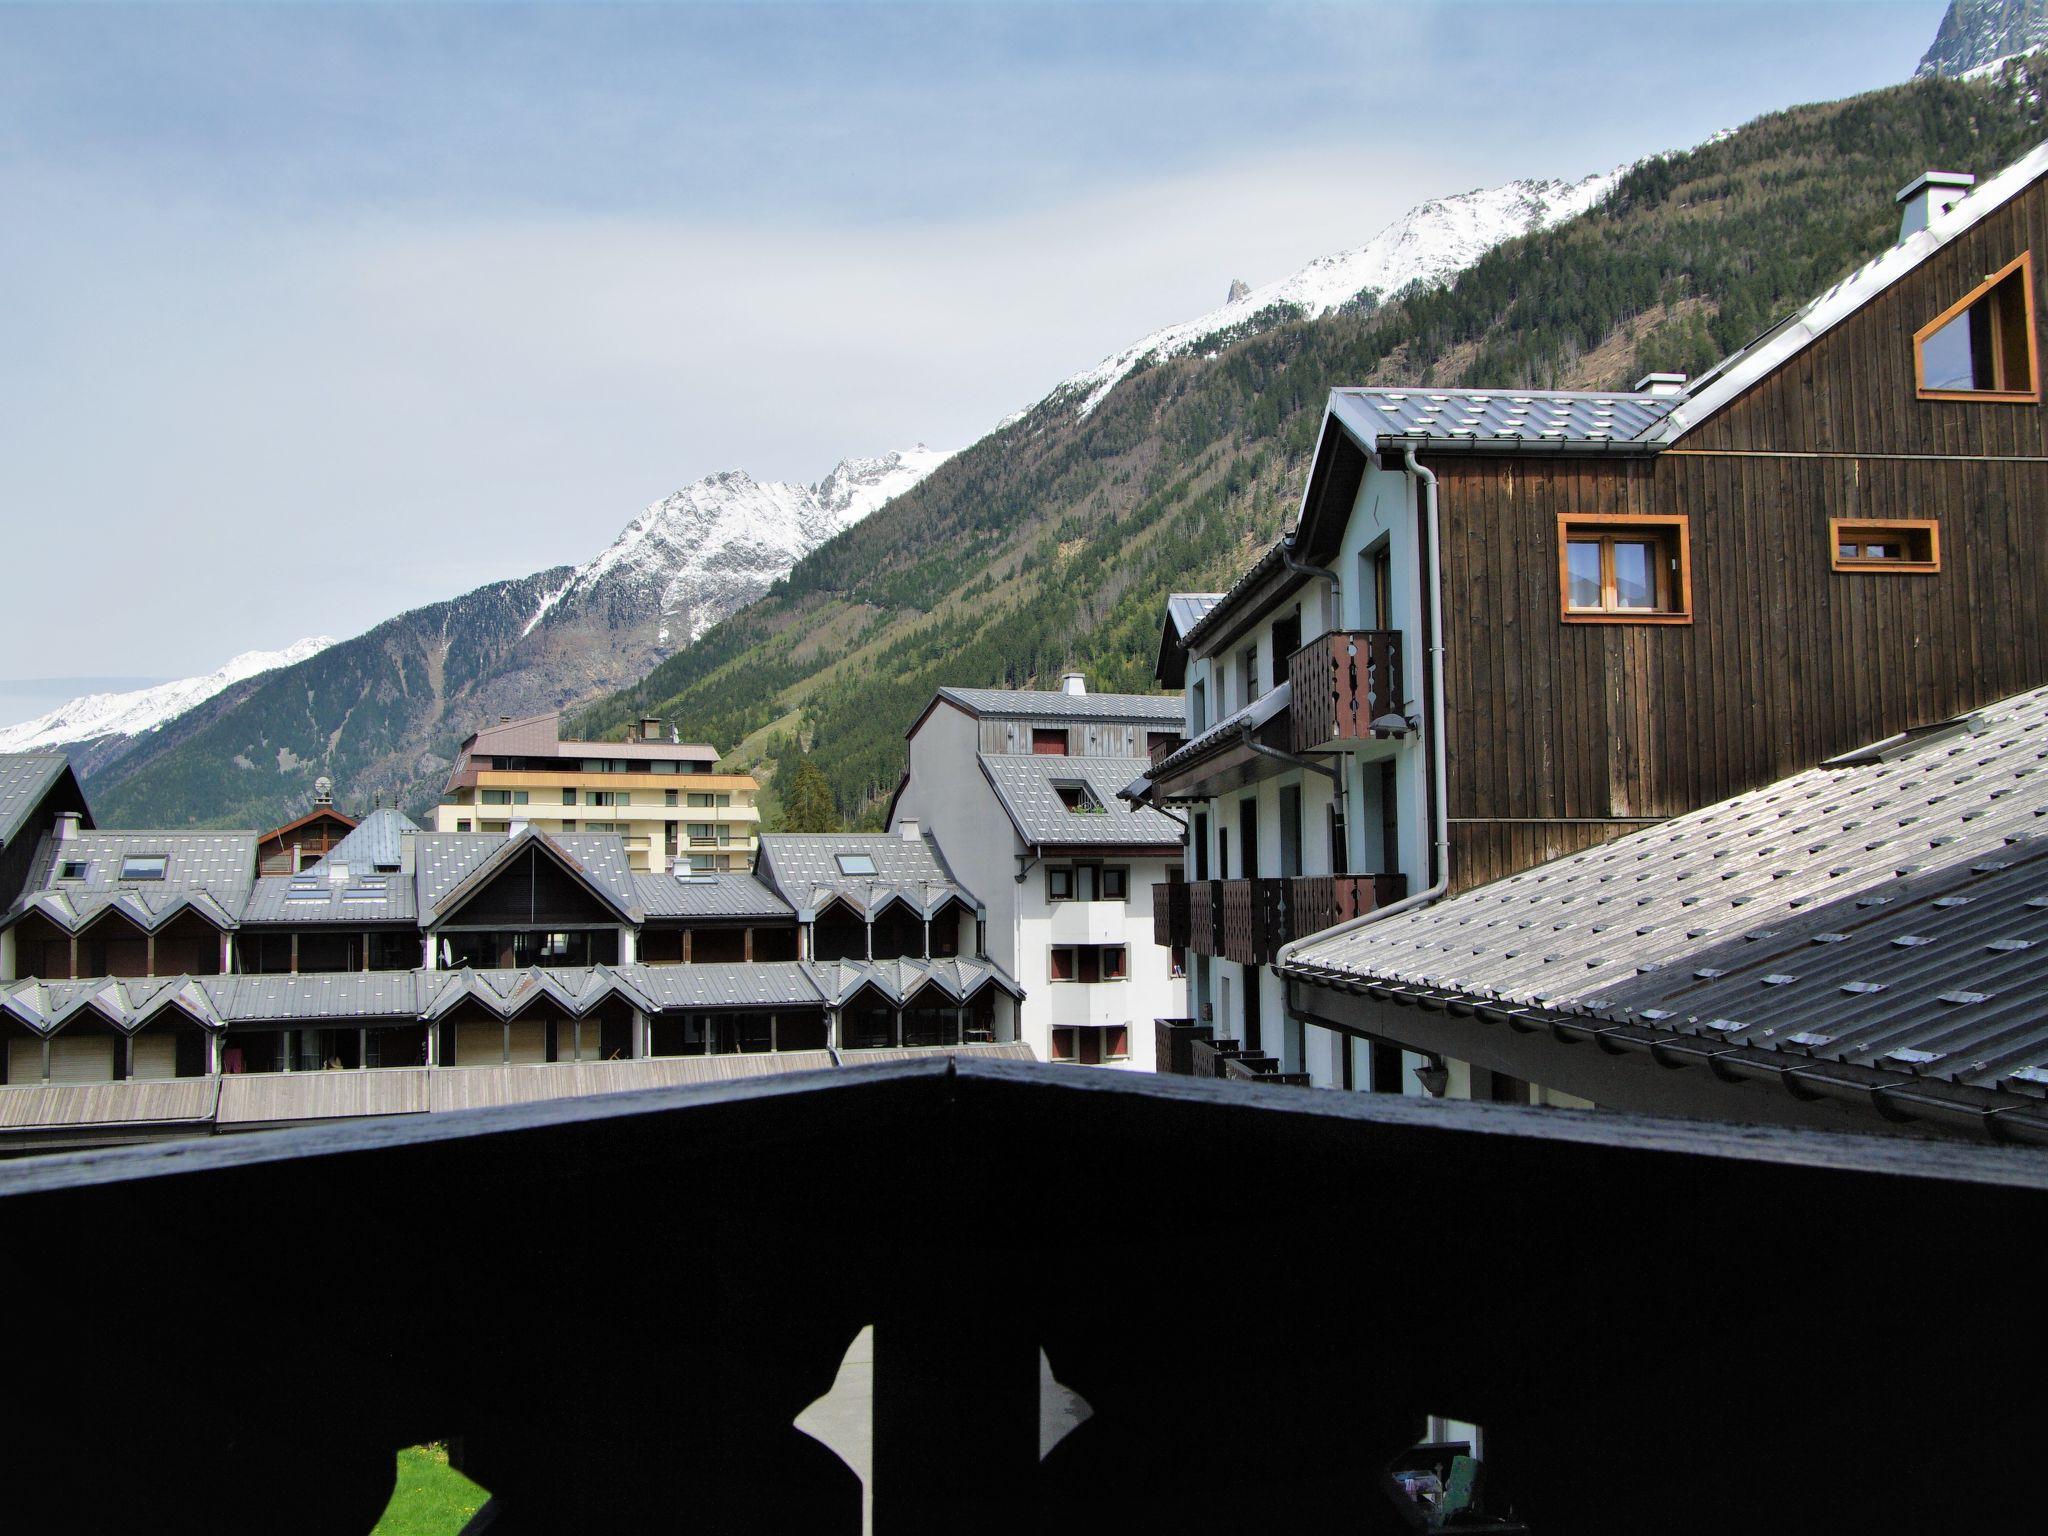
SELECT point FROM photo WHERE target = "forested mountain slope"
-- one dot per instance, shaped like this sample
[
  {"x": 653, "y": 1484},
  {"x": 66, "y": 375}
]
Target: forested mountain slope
[{"x": 1054, "y": 541}]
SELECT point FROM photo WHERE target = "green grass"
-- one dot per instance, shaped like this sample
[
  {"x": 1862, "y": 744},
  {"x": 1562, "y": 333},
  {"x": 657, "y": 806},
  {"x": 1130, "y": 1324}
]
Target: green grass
[{"x": 432, "y": 1498}]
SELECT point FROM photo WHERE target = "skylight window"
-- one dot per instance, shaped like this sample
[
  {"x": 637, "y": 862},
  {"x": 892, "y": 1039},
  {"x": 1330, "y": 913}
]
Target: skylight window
[
  {"x": 855, "y": 864},
  {"x": 74, "y": 869},
  {"x": 145, "y": 866}
]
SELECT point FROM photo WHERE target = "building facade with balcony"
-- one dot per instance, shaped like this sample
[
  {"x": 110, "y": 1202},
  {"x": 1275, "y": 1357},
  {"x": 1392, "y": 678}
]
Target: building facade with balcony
[
  {"x": 1020, "y": 789},
  {"x": 1506, "y": 627},
  {"x": 666, "y": 798}
]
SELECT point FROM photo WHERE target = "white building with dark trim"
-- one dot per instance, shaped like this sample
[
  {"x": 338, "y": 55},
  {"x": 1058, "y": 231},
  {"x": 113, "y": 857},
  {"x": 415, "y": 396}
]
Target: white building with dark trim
[{"x": 1020, "y": 788}]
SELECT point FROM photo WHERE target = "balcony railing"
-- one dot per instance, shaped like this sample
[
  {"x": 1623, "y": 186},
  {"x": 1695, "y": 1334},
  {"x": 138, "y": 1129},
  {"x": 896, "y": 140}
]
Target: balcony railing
[
  {"x": 1170, "y": 914},
  {"x": 1165, "y": 747},
  {"x": 1248, "y": 920},
  {"x": 1343, "y": 681}
]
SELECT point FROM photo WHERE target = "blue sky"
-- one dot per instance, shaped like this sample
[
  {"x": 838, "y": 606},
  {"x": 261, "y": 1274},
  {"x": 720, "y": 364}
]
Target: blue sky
[{"x": 425, "y": 296}]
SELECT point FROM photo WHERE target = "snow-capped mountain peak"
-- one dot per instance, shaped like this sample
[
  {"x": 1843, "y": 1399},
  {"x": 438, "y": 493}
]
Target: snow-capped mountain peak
[
  {"x": 1428, "y": 244},
  {"x": 706, "y": 551},
  {"x": 97, "y": 715}
]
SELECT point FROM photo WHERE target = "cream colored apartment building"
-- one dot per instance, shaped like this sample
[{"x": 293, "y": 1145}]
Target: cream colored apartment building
[{"x": 667, "y": 798}]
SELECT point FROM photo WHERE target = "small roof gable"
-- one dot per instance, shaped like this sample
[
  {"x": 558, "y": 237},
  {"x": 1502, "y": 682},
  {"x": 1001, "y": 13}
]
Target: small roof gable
[
  {"x": 596, "y": 861},
  {"x": 378, "y": 842},
  {"x": 1184, "y": 610},
  {"x": 26, "y": 779},
  {"x": 319, "y": 813}
]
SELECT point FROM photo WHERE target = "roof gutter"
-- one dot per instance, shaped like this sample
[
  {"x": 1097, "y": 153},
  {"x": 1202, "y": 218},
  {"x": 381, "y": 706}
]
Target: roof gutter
[{"x": 1425, "y": 481}]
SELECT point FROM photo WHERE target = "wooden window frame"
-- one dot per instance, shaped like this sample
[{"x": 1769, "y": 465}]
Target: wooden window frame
[
  {"x": 1837, "y": 526},
  {"x": 2024, "y": 265},
  {"x": 1675, "y": 528}
]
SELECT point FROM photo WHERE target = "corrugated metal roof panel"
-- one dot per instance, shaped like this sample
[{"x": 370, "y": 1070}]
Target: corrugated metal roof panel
[
  {"x": 1534, "y": 420},
  {"x": 734, "y": 893},
  {"x": 1890, "y": 905}
]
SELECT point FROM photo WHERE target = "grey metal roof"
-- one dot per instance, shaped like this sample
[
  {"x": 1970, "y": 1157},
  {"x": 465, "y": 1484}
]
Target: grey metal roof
[
  {"x": 1532, "y": 420},
  {"x": 1891, "y": 912},
  {"x": 762, "y": 984},
  {"x": 313, "y": 897},
  {"x": 1271, "y": 563},
  {"x": 1027, "y": 787},
  {"x": 1263, "y": 710},
  {"x": 1184, "y": 610},
  {"x": 321, "y": 995},
  {"x": 1081, "y": 706},
  {"x": 444, "y": 861},
  {"x": 25, "y": 777},
  {"x": 804, "y": 868},
  {"x": 378, "y": 842},
  {"x": 223, "y": 864},
  {"x": 839, "y": 980},
  {"x": 726, "y": 893}
]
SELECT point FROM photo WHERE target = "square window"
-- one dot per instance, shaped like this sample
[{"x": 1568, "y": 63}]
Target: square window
[
  {"x": 1982, "y": 346},
  {"x": 1905, "y": 547},
  {"x": 1059, "y": 883},
  {"x": 1624, "y": 570},
  {"x": 145, "y": 866},
  {"x": 856, "y": 864},
  {"x": 1116, "y": 883}
]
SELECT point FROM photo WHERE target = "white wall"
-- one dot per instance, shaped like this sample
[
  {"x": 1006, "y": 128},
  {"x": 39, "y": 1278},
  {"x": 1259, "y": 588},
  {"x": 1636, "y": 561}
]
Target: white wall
[{"x": 949, "y": 797}]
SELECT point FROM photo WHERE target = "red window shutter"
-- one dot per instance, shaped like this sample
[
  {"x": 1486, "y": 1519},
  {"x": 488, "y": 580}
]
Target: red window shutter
[{"x": 1049, "y": 743}]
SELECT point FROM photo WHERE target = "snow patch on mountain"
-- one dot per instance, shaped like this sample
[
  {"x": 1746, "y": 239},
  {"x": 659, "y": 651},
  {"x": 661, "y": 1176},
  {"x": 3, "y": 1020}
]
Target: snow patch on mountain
[
  {"x": 1976, "y": 37},
  {"x": 98, "y": 715},
  {"x": 1428, "y": 244},
  {"x": 715, "y": 546}
]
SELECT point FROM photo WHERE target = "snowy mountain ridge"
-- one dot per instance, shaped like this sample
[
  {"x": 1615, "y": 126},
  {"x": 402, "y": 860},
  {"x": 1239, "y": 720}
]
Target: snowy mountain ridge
[
  {"x": 716, "y": 544},
  {"x": 95, "y": 715},
  {"x": 1428, "y": 244}
]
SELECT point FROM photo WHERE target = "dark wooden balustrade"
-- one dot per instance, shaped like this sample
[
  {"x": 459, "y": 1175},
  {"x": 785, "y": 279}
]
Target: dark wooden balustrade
[
  {"x": 1342, "y": 682},
  {"x": 1248, "y": 920},
  {"x": 1170, "y": 914}
]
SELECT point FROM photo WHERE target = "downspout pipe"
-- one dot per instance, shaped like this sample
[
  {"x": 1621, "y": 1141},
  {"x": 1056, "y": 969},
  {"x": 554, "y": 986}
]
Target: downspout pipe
[
  {"x": 1303, "y": 568},
  {"x": 1425, "y": 482}
]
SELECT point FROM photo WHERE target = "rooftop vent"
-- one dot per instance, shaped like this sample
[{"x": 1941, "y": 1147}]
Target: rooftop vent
[
  {"x": 1073, "y": 683},
  {"x": 650, "y": 728},
  {"x": 1929, "y": 195},
  {"x": 67, "y": 825},
  {"x": 1661, "y": 384}
]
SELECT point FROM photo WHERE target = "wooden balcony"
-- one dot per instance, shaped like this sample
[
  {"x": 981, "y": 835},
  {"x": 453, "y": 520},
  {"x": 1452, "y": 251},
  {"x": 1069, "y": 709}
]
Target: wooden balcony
[
  {"x": 1170, "y": 914},
  {"x": 1248, "y": 920},
  {"x": 1342, "y": 682}
]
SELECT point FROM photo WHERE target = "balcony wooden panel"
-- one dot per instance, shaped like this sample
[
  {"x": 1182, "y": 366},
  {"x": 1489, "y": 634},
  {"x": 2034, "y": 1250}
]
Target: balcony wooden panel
[
  {"x": 1342, "y": 682},
  {"x": 1249, "y": 920},
  {"x": 1170, "y": 914}
]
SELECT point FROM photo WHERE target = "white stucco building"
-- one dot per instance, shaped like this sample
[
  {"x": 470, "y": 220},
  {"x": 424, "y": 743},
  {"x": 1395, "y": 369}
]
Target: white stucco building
[{"x": 1020, "y": 789}]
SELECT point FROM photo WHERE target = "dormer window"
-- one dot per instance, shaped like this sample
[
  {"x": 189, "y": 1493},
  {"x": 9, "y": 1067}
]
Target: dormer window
[
  {"x": 1078, "y": 798},
  {"x": 145, "y": 866},
  {"x": 1982, "y": 346}
]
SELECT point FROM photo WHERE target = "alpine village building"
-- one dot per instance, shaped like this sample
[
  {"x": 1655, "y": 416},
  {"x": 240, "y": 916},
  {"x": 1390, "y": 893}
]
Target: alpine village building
[
  {"x": 1511, "y": 627},
  {"x": 161, "y": 983},
  {"x": 664, "y": 797},
  {"x": 1020, "y": 788}
]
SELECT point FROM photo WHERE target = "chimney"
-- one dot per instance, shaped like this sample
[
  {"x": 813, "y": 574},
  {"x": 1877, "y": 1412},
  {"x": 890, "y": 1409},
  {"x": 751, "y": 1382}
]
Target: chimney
[
  {"x": 1926, "y": 198},
  {"x": 909, "y": 830},
  {"x": 1073, "y": 683},
  {"x": 1661, "y": 384},
  {"x": 650, "y": 728},
  {"x": 337, "y": 874},
  {"x": 67, "y": 825}
]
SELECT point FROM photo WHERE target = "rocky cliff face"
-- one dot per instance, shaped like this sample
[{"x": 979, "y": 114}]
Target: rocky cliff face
[{"x": 1976, "y": 33}]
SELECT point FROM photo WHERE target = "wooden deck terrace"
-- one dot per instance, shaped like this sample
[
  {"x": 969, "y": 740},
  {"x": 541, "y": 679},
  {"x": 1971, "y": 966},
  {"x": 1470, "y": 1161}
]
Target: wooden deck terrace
[{"x": 1661, "y": 1326}]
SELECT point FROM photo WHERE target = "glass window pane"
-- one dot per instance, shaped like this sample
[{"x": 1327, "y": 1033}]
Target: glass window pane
[
  {"x": 1947, "y": 359},
  {"x": 1582, "y": 569},
  {"x": 1635, "y": 573}
]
